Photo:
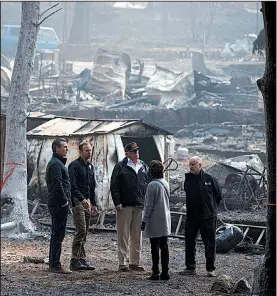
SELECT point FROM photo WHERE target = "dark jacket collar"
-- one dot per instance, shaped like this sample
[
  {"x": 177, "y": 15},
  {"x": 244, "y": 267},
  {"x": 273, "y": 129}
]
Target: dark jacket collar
[
  {"x": 125, "y": 160},
  {"x": 201, "y": 173},
  {"x": 62, "y": 159},
  {"x": 82, "y": 161}
]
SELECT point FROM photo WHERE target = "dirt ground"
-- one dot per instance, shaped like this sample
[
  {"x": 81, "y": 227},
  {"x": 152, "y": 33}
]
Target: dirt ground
[{"x": 18, "y": 278}]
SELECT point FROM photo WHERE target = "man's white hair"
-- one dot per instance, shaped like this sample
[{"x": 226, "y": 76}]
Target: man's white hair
[{"x": 196, "y": 158}]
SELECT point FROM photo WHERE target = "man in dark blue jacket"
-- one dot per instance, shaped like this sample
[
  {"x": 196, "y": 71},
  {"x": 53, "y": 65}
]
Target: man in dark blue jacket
[
  {"x": 82, "y": 181},
  {"x": 203, "y": 195},
  {"x": 128, "y": 186},
  {"x": 57, "y": 180}
]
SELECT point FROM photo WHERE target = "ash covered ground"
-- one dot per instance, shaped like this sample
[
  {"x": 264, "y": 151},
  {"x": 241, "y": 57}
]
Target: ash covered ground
[{"x": 18, "y": 278}]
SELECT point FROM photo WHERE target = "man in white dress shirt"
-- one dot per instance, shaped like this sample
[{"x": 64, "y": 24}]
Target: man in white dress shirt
[{"x": 128, "y": 186}]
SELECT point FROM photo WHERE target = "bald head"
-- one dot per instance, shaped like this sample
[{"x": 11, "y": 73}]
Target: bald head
[
  {"x": 195, "y": 165},
  {"x": 196, "y": 159}
]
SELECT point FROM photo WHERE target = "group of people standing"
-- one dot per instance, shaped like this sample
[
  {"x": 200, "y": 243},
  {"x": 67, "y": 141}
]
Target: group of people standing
[
  {"x": 73, "y": 187},
  {"x": 141, "y": 198}
]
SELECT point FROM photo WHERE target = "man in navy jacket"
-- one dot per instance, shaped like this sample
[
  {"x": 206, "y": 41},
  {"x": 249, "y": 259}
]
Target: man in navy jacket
[{"x": 57, "y": 180}]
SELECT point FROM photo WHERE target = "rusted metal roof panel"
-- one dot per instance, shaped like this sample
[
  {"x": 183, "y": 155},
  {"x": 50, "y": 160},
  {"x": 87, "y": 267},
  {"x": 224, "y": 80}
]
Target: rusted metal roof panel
[
  {"x": 68, "y": 127},
  {"x": 58, "y": 127},
  {"x": 101, "y": 127},
  {"x": 88, "y": 127},
  {"x": 73, "y": 127},
  {"x": 108, "y": 127}
]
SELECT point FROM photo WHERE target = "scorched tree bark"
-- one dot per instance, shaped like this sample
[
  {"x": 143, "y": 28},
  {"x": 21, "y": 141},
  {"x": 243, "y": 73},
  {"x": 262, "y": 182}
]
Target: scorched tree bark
[
  {"x": 265, "y": 283},
  {"x": 15, "y": 169}
]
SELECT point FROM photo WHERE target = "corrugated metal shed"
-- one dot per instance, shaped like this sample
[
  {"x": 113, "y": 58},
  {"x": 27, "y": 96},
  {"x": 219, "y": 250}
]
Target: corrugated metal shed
[
  {"x": 64, "y": 127},
  {"x": 43, "y": 125}
]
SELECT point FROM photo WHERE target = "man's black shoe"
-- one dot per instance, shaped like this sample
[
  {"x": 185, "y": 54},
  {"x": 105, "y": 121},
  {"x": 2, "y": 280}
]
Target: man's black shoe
[
  {"x": 87, "y": 265},
  {"x": 154, "y": 277},
  {"x": 164, "y": 276},
  {"x": 76, "y": 265}
]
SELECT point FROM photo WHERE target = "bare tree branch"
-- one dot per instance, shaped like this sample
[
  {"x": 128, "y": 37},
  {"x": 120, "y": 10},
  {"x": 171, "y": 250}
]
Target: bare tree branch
[
  {"x": 48, "y": 17},
  {"x": 48, "y": 9}
]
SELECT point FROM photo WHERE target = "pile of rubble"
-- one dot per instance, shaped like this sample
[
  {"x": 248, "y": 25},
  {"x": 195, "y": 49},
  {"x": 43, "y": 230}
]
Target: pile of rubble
[
  {"x": 224, "y": 137},
  {"x": 114, "y": 82}
]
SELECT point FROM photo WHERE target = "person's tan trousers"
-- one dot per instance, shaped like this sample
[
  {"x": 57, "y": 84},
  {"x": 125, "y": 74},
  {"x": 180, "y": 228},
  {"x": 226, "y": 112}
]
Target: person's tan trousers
[
  {"x": 128, "y": 224},
  {"x": 81, "y": 219}
]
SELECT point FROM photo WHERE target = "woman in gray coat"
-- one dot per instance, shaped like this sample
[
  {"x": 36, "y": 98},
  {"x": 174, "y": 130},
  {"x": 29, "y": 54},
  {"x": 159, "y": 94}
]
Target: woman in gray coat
[{"x": 156, "y": 220}]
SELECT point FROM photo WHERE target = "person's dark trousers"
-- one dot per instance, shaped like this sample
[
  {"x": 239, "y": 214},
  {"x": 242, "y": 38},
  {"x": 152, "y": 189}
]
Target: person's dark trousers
[
  {"x": 157, "y": 244},
  {"x": 207, "y": 228},
  {"x": 59, "y": 219}
]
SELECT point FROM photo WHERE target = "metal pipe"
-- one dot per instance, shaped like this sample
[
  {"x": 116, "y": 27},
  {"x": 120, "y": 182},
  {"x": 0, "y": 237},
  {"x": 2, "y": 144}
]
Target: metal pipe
[{"x": 8, "y": 225}]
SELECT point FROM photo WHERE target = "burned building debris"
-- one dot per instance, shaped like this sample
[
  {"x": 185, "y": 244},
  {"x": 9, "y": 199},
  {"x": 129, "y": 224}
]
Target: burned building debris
[
  {"x": 210, "y": 111},
  {"x": 109, "y": 75},
  {"x": 114, "y": 82}
]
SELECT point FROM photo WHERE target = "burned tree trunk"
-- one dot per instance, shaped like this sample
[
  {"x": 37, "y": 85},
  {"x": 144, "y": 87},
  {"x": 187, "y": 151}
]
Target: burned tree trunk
[
  {"x": 79, "y": 30},
  {"x": 14, "y": 186},
  {"x": 265, "y": 283}
]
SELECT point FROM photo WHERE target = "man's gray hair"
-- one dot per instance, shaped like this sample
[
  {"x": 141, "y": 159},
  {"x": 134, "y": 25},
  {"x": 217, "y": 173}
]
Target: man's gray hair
[
  {"x": 58, "y": 143},
  {"x": 196, "y": 158}
]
